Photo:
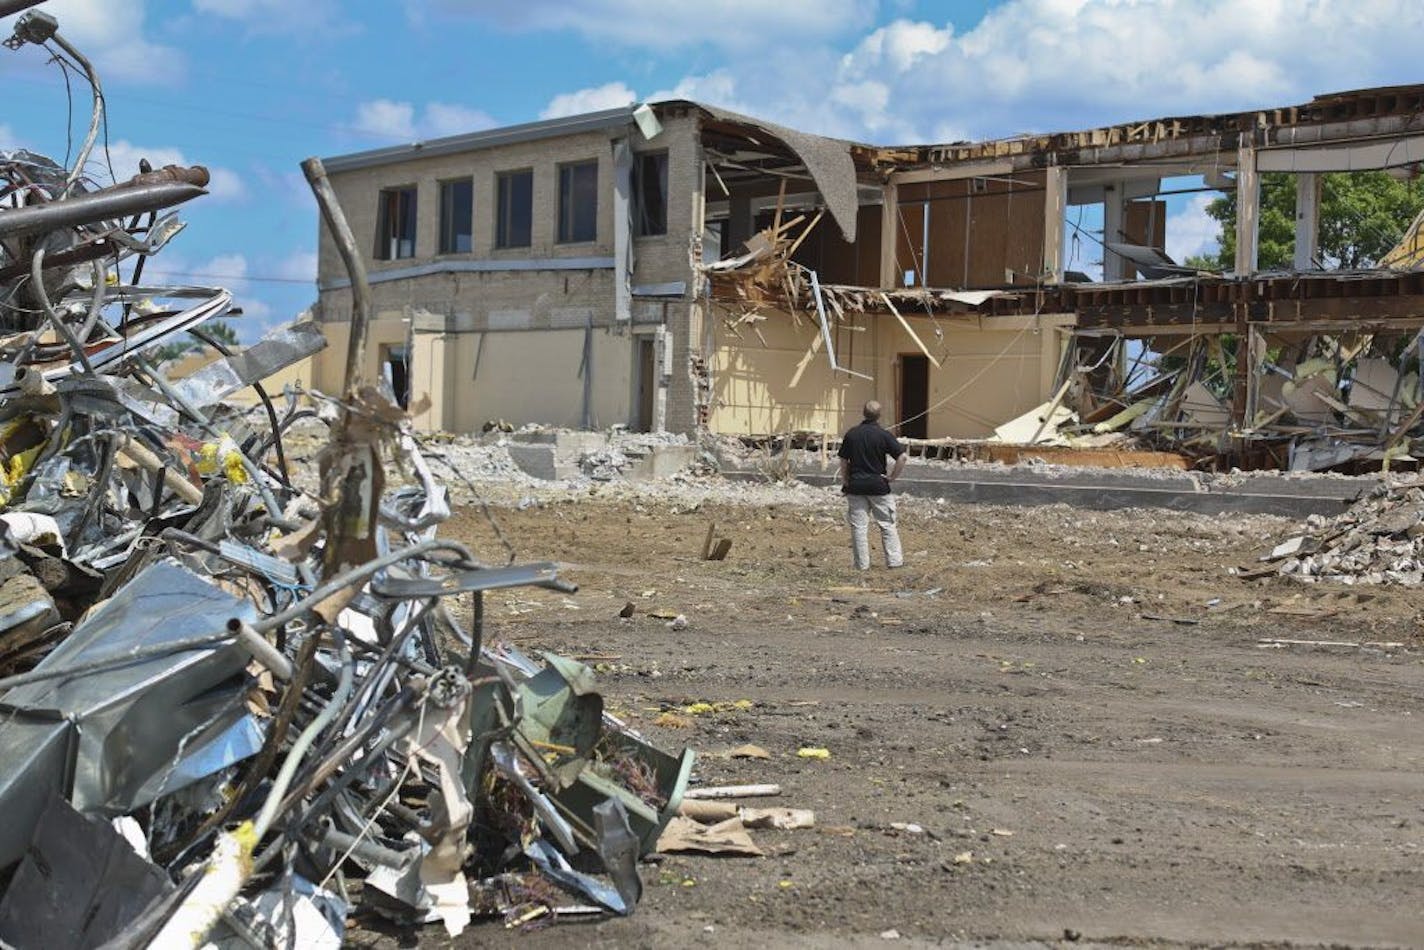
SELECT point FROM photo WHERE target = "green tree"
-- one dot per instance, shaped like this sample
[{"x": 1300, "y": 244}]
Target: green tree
[
  {"x": 219, "y": 330},
  {"x": 1362, "y": 216}
]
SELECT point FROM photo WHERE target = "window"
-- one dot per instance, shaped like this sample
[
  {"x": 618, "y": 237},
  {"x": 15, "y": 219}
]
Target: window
[
  {"x": 650, "y": 184},
  {"x": 578, "y": 202},
  {"x": 515, "y": 208},
  {"x": 395, "y": 224},
  {"x": 457, "y": 210}
]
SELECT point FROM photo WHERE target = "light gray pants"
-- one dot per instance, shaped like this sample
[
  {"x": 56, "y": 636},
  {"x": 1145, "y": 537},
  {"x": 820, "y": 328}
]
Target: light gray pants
[{"x": 882, "y": 509}]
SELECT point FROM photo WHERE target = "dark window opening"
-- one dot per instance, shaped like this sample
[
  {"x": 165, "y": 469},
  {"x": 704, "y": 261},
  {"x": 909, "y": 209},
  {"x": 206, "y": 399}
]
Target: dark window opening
[
  {"x": 578, "y": 202},
  {"x": 397, "y": 373},
  {"x": 650, "y": 192},
  {"x": 395, "y": 224},
  {"x": 515, "y": 209},
  {"x": 457, "y": 211}
]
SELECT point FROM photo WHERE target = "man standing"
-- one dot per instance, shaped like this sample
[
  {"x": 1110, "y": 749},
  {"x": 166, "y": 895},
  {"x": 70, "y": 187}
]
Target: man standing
[{"x": 867, "y": 487}]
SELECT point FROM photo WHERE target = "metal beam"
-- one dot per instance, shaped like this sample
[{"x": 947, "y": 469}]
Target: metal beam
[
  {"x": 1248, "y": 210},
  {"x": 1365, "y": 155},
  {"x": 1055, "y": 202}
]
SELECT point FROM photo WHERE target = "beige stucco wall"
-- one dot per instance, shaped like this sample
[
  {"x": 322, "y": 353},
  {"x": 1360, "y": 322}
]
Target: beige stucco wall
[
  {"x": 517, "y": 376},
  {"x": 547, "y": 309},
  {"x": 986, "y": 376},
  {"x": 523, "y": 377}
]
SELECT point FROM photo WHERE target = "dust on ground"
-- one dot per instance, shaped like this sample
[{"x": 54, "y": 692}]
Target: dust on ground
[{"x": 1072, "y": 705}]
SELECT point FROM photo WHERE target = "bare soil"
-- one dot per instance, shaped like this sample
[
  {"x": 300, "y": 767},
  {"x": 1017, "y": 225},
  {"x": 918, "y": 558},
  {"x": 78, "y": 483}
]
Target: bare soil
[{"x": 1073, "y": 706}]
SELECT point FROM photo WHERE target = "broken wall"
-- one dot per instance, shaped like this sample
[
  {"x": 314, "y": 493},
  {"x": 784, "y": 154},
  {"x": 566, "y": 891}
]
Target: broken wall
[
  {"x": 985, "y": 376},
  {"x": 971, "y": 232},
  {"x": 837, "y": 262}
]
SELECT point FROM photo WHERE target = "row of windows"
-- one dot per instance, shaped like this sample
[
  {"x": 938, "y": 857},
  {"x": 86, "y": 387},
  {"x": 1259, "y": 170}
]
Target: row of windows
[{"x": 514, "y": 208}]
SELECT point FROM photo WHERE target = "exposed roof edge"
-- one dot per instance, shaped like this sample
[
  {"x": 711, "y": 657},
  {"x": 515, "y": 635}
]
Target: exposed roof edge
[
  {"x": 505, "y": 135},
  {"x": 827, "y": 160}
]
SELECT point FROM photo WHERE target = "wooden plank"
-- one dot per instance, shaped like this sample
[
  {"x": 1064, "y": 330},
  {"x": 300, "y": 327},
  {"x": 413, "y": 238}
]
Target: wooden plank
[{"x": 910, "y": 330}]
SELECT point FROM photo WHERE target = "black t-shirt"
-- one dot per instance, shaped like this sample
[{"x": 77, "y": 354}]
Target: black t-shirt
[{"x": 865, "y": 448}]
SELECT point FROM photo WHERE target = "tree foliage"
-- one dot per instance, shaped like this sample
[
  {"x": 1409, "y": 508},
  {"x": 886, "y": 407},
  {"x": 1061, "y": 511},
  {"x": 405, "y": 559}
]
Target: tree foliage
[
  {"x": 219, "y": 330},
  {"x": 1362, "y": 216}
]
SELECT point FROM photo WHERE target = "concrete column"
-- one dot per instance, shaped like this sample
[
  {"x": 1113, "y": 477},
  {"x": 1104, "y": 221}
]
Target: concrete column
[
  {"x": 1055, "y": 203},
  {"x": 739, "y": 221},
  {"x": 1113, "y": 211},
  {"x": 1248, "y": 210},
  {"x": 1307, "y": 220},
  {"x": 662, "y": 376},
  {"x": 889, "y": 235}
]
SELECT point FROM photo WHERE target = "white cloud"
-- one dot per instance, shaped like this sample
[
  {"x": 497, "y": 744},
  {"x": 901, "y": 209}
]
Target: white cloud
[
  {"x": 593, "y": 99},
  {"x": 115, "y": 40},
  {"x": 273, "y": 16},
  {"x": 300, "y": 265},
  {"x": 389, "y": 119},
  {"x": 1025, "y": 66},
  {"x": 1191, "y": 231},
  {"x": 717, "y": 88},
  {"x": 442, "y": 118},
  {"x": 229, "y": 271},
  {"x": 226, "y": 184},
  {"x": 1050, "y": 65},
  {"x": 660, "y": 24},
  {"x": 386, "y": 119}
]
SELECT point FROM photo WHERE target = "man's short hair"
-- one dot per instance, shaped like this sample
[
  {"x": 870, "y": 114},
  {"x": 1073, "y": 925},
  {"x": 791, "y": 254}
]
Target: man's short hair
[{"x": 872, "y": 411}]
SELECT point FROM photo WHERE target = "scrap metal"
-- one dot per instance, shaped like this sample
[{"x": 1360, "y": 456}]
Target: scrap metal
[{"x": 235, "y": 710}]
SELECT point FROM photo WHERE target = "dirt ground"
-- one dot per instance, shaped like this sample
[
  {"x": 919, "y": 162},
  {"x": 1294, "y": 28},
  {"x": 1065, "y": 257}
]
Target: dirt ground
[{"x": 1073, "y": 707}]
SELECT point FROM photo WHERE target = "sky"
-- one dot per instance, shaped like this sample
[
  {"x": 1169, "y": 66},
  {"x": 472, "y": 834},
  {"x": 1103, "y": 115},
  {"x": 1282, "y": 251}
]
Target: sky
[{"x": 251, "y": 87}]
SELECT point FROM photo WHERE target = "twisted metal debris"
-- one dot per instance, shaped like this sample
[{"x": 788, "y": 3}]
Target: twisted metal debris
[{"x": 234, "y": 709}]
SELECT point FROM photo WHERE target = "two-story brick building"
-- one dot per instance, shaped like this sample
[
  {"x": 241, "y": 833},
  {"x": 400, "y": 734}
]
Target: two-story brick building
[
  {"x": 674, "y": 265},
  {"x": 537, "y": 273}
]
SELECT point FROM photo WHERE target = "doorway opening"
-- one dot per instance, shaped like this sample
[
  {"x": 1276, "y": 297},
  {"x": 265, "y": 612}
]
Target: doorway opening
[
  {"x": 646, "y": 384},
  {"x": 914, "y": 400}
]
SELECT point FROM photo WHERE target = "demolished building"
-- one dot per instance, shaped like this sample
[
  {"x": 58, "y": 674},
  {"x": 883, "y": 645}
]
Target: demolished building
[{"x": 676, "y": 266}]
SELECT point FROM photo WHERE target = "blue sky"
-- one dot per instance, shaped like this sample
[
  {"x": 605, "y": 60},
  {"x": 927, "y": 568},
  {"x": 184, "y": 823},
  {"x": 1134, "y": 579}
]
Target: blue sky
[{"x": 250, "y": 87}]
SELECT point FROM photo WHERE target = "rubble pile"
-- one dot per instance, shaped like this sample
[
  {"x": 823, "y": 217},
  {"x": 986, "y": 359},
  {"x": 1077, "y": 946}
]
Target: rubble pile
[
  {"x": 1379, "y": 540},
  {"x": 237, "y": 709}
]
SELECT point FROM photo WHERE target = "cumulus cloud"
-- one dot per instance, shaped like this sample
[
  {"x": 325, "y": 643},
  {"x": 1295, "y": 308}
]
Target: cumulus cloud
[
  {"x": 390, "y": 119},
  {"x": 1049, "y": 65},
  {"x": 442, "y": 118},
  {"x": 1191, "y": 231},
  {"x": 123, "y": 155},
  {"x": 386, "y": 118},
  {"x": 115, "y": 41},
  {"x": 732, "y": 24},
  {"x": 300, "y": 265},
  {"x": 610, "y": 95},
  {"x": 223, "y": 270}
]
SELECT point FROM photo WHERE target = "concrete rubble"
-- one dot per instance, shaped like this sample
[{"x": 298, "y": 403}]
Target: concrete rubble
[
  {"x": 1379, "y": 540},
  {"x": 243, "y": 700}
]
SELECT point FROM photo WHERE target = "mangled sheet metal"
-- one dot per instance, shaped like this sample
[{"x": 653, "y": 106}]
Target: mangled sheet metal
[{"x": 225, "y": 699}]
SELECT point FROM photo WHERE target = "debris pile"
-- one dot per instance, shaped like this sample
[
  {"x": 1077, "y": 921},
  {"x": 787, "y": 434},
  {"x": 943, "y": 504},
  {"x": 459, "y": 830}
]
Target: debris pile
[
  {"x": 1379, "y": 540},
  {"x": 1268, "y": 395},
  {"x": 236, "y": 709}
]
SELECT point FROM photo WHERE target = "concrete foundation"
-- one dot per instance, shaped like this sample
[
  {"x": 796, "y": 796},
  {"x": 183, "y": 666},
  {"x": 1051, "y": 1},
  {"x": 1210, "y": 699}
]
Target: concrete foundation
[{"x": 1108, "y": 489}]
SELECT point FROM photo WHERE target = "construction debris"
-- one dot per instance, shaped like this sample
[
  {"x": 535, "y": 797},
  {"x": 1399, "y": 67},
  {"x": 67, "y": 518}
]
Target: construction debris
[
  {"x": 236, "y": 708},
  {"x": 1377, "y": 541}
]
